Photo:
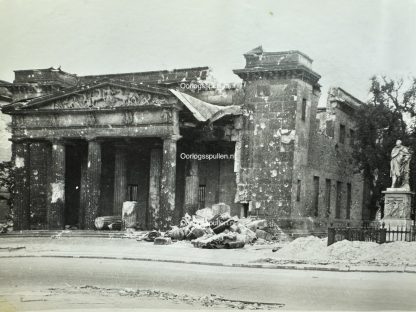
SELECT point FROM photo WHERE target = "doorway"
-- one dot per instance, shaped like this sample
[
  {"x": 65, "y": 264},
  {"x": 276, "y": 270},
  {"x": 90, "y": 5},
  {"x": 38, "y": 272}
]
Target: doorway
[{"x": 74, "y": 156}]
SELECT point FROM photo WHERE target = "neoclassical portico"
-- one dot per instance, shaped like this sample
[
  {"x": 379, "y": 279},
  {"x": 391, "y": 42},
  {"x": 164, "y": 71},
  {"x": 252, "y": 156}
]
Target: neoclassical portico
[{"x": 92, "y": 116}]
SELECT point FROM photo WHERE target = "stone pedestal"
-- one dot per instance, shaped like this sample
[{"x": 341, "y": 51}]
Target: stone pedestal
[{"x": 397, "y": 207}]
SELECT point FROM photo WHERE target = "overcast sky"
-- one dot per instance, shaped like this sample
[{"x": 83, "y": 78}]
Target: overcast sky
[{"x": 349, "y": 41}]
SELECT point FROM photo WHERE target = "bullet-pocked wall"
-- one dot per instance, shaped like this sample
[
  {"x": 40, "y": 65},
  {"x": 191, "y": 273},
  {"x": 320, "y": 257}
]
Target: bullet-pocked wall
[
  {"x": 269, "y": 143},
  {"x": 280, "y": 89}
]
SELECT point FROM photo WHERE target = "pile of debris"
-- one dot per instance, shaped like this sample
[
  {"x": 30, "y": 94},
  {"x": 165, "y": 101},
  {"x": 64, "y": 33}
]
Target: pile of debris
[
  {"x": 215, "y": 228},
  {"x": 6, "y": 227}
]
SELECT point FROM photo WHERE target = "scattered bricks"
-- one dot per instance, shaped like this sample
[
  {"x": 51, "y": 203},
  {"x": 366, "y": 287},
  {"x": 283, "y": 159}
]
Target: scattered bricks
[{"x": 163, "y": 241}]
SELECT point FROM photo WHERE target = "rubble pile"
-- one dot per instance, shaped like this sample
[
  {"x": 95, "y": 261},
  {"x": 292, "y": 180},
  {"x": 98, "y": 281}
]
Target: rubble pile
[
  {"x": 215, "y": 228},
  {"x": 314, "y": 250},
  {"x": 6, "y": 227}
]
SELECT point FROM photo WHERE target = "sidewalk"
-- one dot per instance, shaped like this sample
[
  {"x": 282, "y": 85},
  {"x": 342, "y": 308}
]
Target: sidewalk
[{"x": 178, "y": 252}]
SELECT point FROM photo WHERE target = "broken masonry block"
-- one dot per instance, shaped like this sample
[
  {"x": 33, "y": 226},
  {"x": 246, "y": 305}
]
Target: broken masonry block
[
  {"x": 220, "y": 208},
  {"x": 129, "y": 214},
  {"x": 163, "y": 241},
  {"x": 264, "y": 235}
]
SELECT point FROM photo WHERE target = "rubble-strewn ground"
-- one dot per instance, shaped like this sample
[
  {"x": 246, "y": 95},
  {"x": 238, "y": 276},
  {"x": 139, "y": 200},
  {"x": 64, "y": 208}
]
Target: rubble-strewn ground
[
  {"x": 313, "y": 250},
  {"x": 211, "y": 301},
  {"x": 308, "y": 250},
  {"x": 58, "y": 284}
]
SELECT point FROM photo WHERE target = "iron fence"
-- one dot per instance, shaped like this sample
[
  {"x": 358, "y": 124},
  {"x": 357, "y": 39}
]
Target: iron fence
[{"x": 374, "y": 233}]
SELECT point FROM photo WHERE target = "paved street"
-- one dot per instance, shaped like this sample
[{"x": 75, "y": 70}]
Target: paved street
[{"x": 26, "y": 282}]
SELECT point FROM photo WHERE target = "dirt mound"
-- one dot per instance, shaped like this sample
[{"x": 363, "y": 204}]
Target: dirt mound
[{"x": 315, "y": 251}]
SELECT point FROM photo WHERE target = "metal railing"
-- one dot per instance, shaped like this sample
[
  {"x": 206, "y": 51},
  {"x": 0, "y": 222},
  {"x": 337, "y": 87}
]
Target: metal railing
[{"x": 372, "y": 233}]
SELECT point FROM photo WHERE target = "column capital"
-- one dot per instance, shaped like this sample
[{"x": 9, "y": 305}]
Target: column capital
[
  {"x": 93, "y": 139},
  {"x": 57, "y": 141},
  {"x": 121, "y": 145},
  {"x": 172, "y": 137},
  {"x": 18, "y": 140}
]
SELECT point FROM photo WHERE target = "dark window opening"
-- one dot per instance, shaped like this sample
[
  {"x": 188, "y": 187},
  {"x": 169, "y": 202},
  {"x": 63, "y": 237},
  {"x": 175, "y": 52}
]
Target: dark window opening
[
  {"x": 132, "y": 192},
  {"x": 298, "y": 190},
  {"x": 348, "y": 215},
  {"x": 201, "y": 196},
  {"x": 352, "y": 137},
  {"x": 315, "y": 196},
  {"x": 328, "y": 197},
  {"x": 304, "y": 109},
  {"x": 338, "y": 203},
  {"x": 342, "y": 134},
  {"x": 330, "y": 128},
  {"x": 245, "y": 209}
]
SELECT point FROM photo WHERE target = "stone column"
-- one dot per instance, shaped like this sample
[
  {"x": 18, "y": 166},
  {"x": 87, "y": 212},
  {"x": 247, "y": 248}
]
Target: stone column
[
  {"x": 56, "y": 187},
  {"x": 191, "y": 186},
  {"x": 153, "y": 215},
  {"x": 93, "y": 179},
  {"x": 83, "y": 191},
  {"x": 21, "y": 200},
  {"x": 120, "y": 179},
  {"x": 168, "y": 181}
]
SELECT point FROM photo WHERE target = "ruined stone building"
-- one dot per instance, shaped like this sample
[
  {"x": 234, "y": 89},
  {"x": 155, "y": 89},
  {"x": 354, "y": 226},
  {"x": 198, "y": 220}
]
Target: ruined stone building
[{"x": 82, "y": 145}]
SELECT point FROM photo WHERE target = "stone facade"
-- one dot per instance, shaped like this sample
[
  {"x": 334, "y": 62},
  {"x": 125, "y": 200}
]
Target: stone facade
[{"x": 84, "y": 145}]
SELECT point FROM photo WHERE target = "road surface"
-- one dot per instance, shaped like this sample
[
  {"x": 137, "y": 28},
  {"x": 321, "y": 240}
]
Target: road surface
[{"x": 25, "y": 284}]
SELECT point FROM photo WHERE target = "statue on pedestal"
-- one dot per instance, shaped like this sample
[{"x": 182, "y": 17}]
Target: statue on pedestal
[{"x": 399, "y": 166}]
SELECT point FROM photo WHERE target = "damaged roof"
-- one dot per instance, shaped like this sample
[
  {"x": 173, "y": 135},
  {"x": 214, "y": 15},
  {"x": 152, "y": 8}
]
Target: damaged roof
[
  {"x": 204, "y": 111},
  {"x": 201, "y": 110}
]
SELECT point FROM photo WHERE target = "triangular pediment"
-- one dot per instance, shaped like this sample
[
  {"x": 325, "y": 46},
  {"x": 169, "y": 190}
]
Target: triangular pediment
[{"x": 99, "y": 96}]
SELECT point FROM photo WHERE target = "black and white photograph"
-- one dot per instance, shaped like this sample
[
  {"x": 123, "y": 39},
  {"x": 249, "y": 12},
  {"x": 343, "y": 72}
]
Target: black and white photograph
[{"x": 217, "y": 155}]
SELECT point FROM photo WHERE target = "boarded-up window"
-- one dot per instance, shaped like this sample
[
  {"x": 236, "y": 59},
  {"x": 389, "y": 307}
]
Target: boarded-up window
[
  {"x": 342, "y": 134},
  {"x": 315, "y": 204},
  {"x": 339, "y": 198},
  {"x": 132, "y": 192},
  {"x": 303, "y": 109},
  {"x": 348, "y": 201},
  {"x": 298, "y": 190},
  {"x": 328, "y": 197},
  {"x": 201, "y": 196}
]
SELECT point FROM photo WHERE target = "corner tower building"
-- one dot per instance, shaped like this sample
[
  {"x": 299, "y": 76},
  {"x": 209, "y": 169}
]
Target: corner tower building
[{"x": 82, "y": 145}]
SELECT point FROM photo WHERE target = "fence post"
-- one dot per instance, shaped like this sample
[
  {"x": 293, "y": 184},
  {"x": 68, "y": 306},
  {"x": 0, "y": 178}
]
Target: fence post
[
  {"x": 331, "y": 236},
  {"x": 382, "y": 234}
]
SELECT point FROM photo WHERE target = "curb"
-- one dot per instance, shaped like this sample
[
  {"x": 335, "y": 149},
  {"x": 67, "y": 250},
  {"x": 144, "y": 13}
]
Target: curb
[{"x": 373, "y": 269}]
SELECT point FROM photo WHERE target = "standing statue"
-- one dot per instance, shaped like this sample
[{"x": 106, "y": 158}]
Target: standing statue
[{"x": 399, "y": 166}]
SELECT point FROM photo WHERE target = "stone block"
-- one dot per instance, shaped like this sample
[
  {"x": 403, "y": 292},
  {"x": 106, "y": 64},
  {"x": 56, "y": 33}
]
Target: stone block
[
  {"x": 263, "y": 235},
  {"x": 129, "y": 214},
  {"x": 163, "y": 241},
  {"x": 220, "y": 208}
]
